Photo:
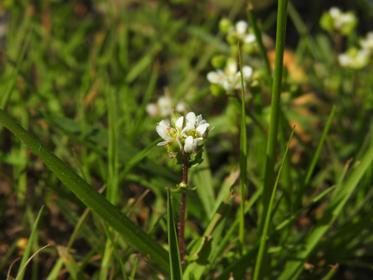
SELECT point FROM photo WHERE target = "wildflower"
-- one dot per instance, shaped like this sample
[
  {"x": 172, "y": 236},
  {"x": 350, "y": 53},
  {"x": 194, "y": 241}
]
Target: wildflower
[
  {"x": 367, "y": 43},
  {"x": 164, "y": 107},
  {"x": 337, "y": 21},
  {"x": 354, "y": 59},
  {"x": 241, "y": 33},
  {"x": 184, "y": 135},
  {"x": 230, "y": 77}
]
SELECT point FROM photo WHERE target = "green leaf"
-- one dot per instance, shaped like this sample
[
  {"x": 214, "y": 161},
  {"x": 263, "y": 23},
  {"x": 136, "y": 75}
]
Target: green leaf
[
  {"x": 174, "y": 256},
  {"x": 130, "y": 232}
]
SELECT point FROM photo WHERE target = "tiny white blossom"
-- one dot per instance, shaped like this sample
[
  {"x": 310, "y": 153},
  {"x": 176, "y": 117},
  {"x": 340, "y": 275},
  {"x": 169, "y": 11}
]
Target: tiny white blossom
[
  {"x": 342, "y": 21},
  {"x": 367, "y": 42},
  {"x": 180, "y": 107},
  {"x": 241, "y": 32},
  {"x": 230, "y": 78},
  {"x": 354, "y": 59},
  {"x": 186, "y": 133},
  {"x": 164, "y": 107}
]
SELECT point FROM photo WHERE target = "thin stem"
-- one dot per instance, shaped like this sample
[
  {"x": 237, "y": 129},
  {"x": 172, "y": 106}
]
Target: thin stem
[
  {"x": 258, "y": 37},
  {"x": 243, "y": 153},
  {"x": 182, "y": 213}
]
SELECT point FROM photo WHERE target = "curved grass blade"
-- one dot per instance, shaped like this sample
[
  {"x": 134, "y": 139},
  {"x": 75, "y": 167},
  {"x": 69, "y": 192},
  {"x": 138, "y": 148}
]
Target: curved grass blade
[
  {"x": 130, "y": 232},
  {"x": 174, "y": 257},
  {"x": 30, "y": 243}
]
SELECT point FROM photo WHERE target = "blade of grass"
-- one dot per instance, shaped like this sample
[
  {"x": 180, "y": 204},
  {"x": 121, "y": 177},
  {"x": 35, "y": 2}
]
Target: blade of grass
[
  {"x": 130, "y": 232},
  {"x": 112, "y": 194},
  {"x": 264, "y": 236},
  {"x": 173, "y": 253},
  {"x": 30, "y": 243},
  {"x": 317, "y": 154},
  {"x": 275, "y": 111},
  {"x": 294, "y": 267}
]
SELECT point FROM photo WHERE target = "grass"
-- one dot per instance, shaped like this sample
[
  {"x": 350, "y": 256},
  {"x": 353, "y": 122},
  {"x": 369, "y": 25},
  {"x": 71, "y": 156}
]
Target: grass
[{"x": 77, "y": 141}]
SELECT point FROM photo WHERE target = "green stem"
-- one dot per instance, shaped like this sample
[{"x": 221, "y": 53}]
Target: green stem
[
  {"x": 275, "y": 108},
  {"x": 243, "y": 153},
  {"x": 182, "y": 213},
  {"x": 258, "y": 37}
]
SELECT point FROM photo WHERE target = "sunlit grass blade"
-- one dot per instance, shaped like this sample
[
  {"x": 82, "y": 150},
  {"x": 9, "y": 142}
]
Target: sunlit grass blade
[
  {"x": 294, "y": 267},
  {"x": 174, "y": 256},
  {"x": 30, "y": 243},
  {"x": 130, "y": 232}
]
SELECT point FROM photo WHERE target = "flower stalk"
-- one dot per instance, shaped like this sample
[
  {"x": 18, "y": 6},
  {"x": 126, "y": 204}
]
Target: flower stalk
[{"x": 182, "y": 212}]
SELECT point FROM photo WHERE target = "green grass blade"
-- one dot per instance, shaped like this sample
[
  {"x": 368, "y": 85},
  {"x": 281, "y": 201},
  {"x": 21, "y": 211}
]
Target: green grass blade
[
  {"x": 130, "y": 232},
  {"x": 316, "y": 156},
  {"x": 275, "y": 110},
  {"x": 174, "y": 257},
  {"x": 294, "y": 267},
  {"x": 263, "y": 238},
  {"x": 30, "y": 243}
]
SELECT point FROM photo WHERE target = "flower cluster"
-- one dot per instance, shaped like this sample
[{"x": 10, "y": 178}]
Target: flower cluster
[
  {"x": 164, "y": 107},
  {"x": 354, "y": 58},
  {"x": 337, "y": 21},
  {"x": 367, "y": 43},
  {"x": 229, "y": 78},
  {"x": 238, "y": 33},
  {"x": 183, "y": 136}
]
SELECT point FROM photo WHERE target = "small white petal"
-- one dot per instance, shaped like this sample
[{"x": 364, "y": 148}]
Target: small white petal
[
  {"x": 231, "y": 68},
  {"x": 165, "y": 106},
  {"x": 162, "y": 129},
  {"x": 190, "y": 121},
  {"x": 179, "y": 123},
  {"x": 241, "y": 27},
  {"x": 180, "y": 107},
  {"x": 201, "y": 129},
  {"x": 152, "y": 109},
  {"x": 163, "y": 143},
  {"x": 250, "y": 38},
  {"x": 188, "y": 144},
  {"x": 247, "y": 72},
  {"x": 213, "y": 77},
  {"x": 335, "y": 12}
]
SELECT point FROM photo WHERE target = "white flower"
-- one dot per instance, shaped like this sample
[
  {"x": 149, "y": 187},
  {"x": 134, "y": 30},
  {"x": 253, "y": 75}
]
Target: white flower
[
  {"x": 152, "y": 110},
  {"x": 342, "y": 21},
  {"x": 164, "y": 130},
  {"x": 164, "y": 107},
  {"x": 242, "y": 33},
  {"x": 354, "y": 59},
  {"x": 187, "y": 133},
  {"x": 180, "y": 107},
  {"x": 367, "y": 42},
  {"x": 229, "y": 78}
]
